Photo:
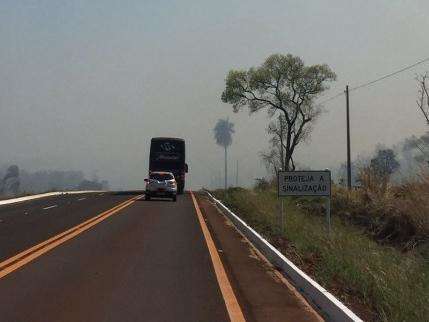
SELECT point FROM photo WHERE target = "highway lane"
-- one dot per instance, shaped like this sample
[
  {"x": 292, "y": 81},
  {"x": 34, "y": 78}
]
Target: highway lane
[
  {"x": 148, "y": 261},
  {"x": 25, "y": 224}
]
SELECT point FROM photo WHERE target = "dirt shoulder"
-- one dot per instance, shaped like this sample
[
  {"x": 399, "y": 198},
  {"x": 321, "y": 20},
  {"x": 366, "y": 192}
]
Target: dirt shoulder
[{"x": 263, "y": 294}]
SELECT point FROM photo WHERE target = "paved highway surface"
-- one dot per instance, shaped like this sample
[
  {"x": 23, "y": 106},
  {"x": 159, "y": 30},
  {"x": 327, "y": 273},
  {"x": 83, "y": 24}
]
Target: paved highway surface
[{"x": 115, "y": 257}]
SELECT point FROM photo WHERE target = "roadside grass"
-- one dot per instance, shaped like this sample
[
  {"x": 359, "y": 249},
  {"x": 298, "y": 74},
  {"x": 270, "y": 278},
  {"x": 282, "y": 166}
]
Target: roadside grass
[
  {"x": 22, "y": 194},
  {"x": 378, "y": 282},
  {"x": 30, "y": 193},
  {"x": 398, "y": 215}
]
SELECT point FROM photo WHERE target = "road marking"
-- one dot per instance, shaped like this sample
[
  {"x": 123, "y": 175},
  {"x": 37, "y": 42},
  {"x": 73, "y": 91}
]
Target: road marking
[
  {"x": 46, "y": 208},
  {"x": 233, "y": 307},
  {"x": 15, "y": 262},
  {"x": 80, "y": 199}
]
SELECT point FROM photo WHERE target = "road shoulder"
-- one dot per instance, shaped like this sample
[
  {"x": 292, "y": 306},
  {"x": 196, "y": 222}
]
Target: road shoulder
[{"x": 261, "y": 291}]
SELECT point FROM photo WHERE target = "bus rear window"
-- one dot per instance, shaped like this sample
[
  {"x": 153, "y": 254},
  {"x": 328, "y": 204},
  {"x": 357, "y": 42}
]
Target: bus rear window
[{"x": 167, "y": 146}]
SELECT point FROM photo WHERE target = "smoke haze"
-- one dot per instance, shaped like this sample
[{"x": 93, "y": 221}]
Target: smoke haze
[{"x": 86, "y": 84}]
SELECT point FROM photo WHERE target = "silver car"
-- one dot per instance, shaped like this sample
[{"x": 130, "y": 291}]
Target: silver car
[{"x": 161, "y": 184}]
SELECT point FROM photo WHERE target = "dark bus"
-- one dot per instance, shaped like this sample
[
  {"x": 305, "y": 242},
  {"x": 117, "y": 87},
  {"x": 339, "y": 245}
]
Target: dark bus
[{"x": 168, "y": 154}]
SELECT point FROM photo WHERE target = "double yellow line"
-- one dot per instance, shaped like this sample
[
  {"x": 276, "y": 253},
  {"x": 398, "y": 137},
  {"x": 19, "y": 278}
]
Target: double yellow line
[
  {"x": 15, "y": 262},
  {"x": 233, "y": 308}
]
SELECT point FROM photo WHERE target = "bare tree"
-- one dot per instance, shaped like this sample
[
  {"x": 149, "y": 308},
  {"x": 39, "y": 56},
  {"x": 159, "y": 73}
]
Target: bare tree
[
  {"x": 281, "y": 84},
  {"x": 420, "y": 144},
  {"x": 423, "y": 92},
  {"x": 271, "y": 160},
  {"x": 278, "y": 132},
  {"x": 274, "y": 157},
  {"x": 223, "y": 136}
]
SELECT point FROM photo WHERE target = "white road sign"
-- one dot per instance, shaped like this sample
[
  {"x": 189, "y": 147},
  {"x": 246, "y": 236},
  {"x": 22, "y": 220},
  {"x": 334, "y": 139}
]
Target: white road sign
[{"x": 304, "y": 183}]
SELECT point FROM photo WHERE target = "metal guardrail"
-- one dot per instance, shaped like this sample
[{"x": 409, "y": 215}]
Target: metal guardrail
[{"x": 329, "y": 306}]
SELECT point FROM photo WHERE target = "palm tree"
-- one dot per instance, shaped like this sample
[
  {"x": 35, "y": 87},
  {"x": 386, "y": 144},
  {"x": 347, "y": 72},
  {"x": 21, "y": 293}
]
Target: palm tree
[{"x": 223, "y": 136}]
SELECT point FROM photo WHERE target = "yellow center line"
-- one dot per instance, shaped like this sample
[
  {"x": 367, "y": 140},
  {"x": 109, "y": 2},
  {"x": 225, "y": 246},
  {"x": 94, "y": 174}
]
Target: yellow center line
[
  {"x": 233, "y": 307},
  {"x": 15, "y": 262}
]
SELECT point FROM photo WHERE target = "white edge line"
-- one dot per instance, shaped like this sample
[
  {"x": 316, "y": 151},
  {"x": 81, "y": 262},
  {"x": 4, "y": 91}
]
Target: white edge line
[
  {"x": 42, "y": 195},
  {"x": 336, "y": 310},
  {"x": 46, "y": 208}
]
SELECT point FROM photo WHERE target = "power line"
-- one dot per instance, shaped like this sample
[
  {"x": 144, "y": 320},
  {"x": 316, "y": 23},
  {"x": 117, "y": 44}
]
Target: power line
[
  {"x": 390, "y": 75},
  {"x": 377, "y": 80},
  {"x": 332, "y": 98}
]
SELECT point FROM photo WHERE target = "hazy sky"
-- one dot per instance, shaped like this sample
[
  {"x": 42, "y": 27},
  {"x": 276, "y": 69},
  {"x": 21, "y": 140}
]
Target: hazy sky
[{"x": 85, "y": 84}]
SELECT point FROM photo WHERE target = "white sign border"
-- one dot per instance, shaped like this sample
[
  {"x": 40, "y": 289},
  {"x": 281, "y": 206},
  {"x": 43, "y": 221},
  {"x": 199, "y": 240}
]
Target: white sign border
[{"x": 305, "y": 195}]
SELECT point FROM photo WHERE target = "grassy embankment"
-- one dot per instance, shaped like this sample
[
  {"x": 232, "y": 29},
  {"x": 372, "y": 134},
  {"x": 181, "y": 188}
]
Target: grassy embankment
[
  {"x": 24, "y": 194},
  {"x": 376, "y": 258},
  {"x": 6, "y": 197}
]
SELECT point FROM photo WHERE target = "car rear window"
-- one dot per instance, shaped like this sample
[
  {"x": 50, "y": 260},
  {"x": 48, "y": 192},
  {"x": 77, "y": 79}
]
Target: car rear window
[{"x": 161, "y": 176}]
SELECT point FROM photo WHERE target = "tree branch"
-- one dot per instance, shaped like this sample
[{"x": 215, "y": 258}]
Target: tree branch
[
  {"x": 260, "y": 99},
  {"x": 424, "y": 92}
]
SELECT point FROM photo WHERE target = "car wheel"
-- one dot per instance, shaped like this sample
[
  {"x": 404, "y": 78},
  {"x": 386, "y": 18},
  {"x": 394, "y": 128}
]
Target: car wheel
[{"x": 146, "y": 197}]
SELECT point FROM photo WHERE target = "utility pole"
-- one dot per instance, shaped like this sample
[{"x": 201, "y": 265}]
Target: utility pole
[
  {"x": 349, "y": 167},
  {"x": 236, "y": 175},
  {"x": 219, "y": 179},
  {"x": 226, "y": 171}
]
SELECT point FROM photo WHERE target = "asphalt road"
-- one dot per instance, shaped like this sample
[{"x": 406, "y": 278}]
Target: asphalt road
[{"x": 141, "y": 261}]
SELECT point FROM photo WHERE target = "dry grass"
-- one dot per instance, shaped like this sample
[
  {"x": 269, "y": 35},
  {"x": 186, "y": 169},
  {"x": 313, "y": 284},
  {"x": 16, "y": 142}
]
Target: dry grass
[
  {"x": 357, "y": 262},
  {"x": 397, "y": 215}
]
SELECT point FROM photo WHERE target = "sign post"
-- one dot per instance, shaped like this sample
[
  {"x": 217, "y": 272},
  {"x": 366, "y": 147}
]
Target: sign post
[
  {"x": 282, "y": 223},
  {"x": 306, "y": 183},
  {"x": 328, "y": 214}
]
